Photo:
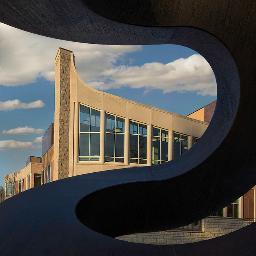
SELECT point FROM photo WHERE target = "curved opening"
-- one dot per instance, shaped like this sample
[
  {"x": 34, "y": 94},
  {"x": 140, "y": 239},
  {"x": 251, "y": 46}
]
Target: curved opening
[
  {"x": 128, "y": 217},
  {"x": 153, "y": 82}
]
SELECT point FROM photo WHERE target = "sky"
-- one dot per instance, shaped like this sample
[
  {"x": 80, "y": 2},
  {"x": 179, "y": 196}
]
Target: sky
[{"x": 171, "y": 77}]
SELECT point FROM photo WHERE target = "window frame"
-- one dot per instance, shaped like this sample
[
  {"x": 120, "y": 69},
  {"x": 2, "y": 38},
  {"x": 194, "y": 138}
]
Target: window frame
[
  {"x": 181, "y": 134},
  {"x": 138, "y": 143},
  {"x": 160, "y": 161},
  {"x": 115, "y": 133},
  {"x": 90, "y": 132}
]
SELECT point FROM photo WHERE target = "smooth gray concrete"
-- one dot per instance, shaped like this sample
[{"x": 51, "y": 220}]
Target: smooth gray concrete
[{"x": 218, "y": 169}]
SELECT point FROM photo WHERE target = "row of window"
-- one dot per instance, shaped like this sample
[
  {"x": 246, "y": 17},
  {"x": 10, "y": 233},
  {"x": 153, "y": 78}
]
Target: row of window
[
  {"x": 89, "y": 139},
  {"x": 12, "y": 188}
]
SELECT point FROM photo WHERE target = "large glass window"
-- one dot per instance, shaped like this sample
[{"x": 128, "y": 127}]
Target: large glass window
[
  {"x": 28, "y": 182},
  {"x": 114, "y": 138},
  {"x": 89, "y": 135},
  {"x": 10, "y": 188},
  {"x": 37, "y": 180},
  {"x": 159, "y": 146},
  {"x": 180, "y": 144},
  {"x": 20, "y": 186},
  {"x": 48, "y": 174},
  {"x": 138, "y": 143}
]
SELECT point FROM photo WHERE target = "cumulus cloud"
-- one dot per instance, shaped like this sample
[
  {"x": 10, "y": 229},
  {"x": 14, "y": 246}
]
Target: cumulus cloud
[
  {"x": 17, "y": 104},
  {"x": 23, "y": 130},
  {"x": 33, "y": 57},
  {"x": 192, "y": 74},
  {"x": 15, "y": 144}
]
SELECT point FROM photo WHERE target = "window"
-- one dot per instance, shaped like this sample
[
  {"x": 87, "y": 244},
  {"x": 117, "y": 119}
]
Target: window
[
  {"x": 180, "y": 144},
  {"x": 138, "y": 143},
  {"x": 159, "y": 146},
  {"x": 19, "y": 186},
  {"x": 89, "y": 135},
  {"x": 28, "y": 181},
  {"x": 48, "y": 174},
  {"x": 23, "y": 185},
  {"x": 233, "y": 209},
  {"x": 37, "y": 180},
  {"x": 10, "y": 188},
  {"x": 114, "y": 138}
]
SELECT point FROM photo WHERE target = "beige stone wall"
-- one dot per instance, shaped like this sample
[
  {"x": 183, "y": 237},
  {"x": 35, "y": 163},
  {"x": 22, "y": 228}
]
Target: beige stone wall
[
  {"x": 72, "y": 91},
  {"x": 204, "y": 114},
  {"x": 48, "y": 159},
  {"x": 198, "y": 115},
  {"x": 29, "y": 170},
  {"x": 26, "y": 174}
]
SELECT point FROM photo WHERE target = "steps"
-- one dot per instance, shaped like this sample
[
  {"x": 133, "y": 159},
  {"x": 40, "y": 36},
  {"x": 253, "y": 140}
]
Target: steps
[{"x": 211, "y": 227}]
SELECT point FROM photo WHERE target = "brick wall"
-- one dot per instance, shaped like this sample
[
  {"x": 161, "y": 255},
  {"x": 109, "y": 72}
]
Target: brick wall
[{"x": 212, "y": 227}]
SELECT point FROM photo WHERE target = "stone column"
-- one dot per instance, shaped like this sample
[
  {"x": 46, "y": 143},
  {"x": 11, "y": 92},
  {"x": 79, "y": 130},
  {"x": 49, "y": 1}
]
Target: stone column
[
  {"x": 190, "y": 142},
  {"x": 170, "y": 145},
  {"x": 149, "y": 144},
  {"x": 225, "y": 214},
  {"x": 126, "y": 141},
  {"x": 240, "y": 207},
  {"x": 203, "y": 225},
  {"x": 62, "y": 113},
  {"x": 102, "y": 136}
]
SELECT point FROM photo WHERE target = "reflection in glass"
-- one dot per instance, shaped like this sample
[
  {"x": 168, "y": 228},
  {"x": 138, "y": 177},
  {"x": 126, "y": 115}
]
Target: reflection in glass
[
  {"x": 114, "y": 138},
  {"x": 180, "y": 144},
  {"x": 138, "y": 143},
  {"x": 159, "y": 145},
  {"x": 89, "y": 137}
]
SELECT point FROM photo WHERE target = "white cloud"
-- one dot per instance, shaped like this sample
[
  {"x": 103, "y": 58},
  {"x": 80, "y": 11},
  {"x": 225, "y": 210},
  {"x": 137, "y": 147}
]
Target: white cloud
[
  {"x": 17, "y": 104},
  {"x": 192, "y": 74},
  {"x": 23, "y": 130},
  {"x": 34, "y": 56},
  {"x": 15, "y": 144},
  {"x": 38, "y": 139}
]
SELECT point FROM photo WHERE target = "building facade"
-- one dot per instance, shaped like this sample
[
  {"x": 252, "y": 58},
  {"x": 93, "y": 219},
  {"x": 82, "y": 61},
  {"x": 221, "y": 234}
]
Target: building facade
[
  {"x": 97, "y": 131},
  {"x": 2, "y": 194},
  {"x": 28, "y": 177}
]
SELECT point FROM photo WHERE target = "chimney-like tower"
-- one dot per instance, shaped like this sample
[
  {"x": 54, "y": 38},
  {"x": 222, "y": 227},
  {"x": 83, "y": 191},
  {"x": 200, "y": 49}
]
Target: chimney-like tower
[{"x": 63, "y": 62}]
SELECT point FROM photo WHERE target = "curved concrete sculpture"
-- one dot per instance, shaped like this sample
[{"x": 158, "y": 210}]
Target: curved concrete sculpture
[{"x": 221, "y": 167}]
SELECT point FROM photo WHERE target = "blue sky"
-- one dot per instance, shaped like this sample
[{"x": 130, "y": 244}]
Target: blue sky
[{"x": 140, "y": 73}]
